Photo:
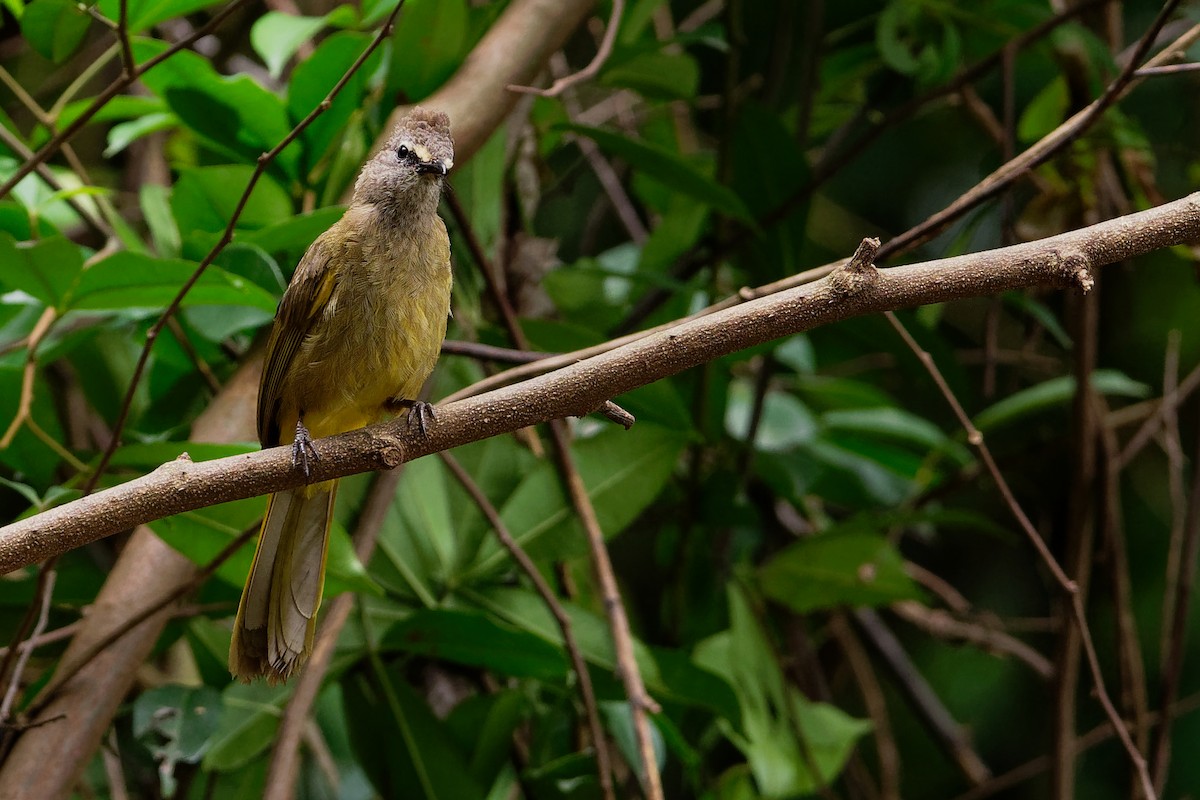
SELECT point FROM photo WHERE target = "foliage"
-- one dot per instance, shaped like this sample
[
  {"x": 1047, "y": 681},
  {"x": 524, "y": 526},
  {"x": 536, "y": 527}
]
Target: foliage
[{"x": 758, "y": 500}]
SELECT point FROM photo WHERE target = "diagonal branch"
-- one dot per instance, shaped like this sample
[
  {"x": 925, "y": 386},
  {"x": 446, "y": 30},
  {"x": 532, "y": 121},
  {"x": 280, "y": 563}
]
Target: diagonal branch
[{"x": 1060, "y": 261}]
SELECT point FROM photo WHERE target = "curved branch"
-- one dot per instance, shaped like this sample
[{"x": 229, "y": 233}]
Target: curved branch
[{"x": 1059, "y": 261}]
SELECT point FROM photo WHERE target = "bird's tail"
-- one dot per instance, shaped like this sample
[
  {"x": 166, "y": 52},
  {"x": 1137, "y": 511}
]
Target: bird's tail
[{"x": 273, "y": 633}]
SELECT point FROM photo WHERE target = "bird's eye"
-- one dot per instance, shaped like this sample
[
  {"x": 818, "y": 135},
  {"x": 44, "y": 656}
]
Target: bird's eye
[{"x": 403, "y": 151}]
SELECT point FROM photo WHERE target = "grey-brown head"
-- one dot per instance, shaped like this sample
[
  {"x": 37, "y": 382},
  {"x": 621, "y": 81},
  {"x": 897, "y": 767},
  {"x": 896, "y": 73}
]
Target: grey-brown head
[{"x": 405, "y": 177}]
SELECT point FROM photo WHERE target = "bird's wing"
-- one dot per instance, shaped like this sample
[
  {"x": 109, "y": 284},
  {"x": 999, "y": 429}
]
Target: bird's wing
[{"x": 310, "y": 289}]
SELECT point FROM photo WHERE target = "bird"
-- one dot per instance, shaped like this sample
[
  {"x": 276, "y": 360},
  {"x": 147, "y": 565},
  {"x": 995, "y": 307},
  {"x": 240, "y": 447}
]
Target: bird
[{"x": 356, "y": 335}]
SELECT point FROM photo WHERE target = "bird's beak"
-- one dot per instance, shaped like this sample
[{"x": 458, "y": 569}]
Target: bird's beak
[{"x": 439, "y": 168}]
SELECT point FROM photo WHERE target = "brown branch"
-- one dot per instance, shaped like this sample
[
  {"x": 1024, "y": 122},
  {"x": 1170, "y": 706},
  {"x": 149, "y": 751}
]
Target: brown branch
[
  {"x": 1060, "y": 261},
  {"x": 284, "y": 766},
  {"x": 593, "y": 67},
  {"x": 943, "y": 625},
  {"x": 43, "y": 602},
  {"x": 129, "y": 65},
  {"x": 640, "y": 701},
  {"x": 603, "y": 760}
]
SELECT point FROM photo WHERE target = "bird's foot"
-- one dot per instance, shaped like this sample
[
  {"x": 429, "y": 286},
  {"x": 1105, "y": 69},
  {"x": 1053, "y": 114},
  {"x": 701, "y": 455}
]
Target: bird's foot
[
  {"x": 419, "y": 412},
  {"x": 303, "y": 451}
]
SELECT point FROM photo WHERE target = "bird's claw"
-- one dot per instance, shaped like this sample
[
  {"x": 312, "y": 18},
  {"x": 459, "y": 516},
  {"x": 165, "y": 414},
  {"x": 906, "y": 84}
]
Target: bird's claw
[
  {"x": 303, "y": 450},
  {"x": 423, "y": 414}
]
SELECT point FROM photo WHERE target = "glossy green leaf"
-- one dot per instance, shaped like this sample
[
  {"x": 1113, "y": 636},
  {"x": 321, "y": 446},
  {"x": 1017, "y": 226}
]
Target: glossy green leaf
[
  {"x": 475, "y": 640},
  {"x": 623, "y": 472},
  {"x": 660, "y": 75},
  {"x": 233, "y": 114},
  {"x": 667, "y": 168},
  {"x": 276, "y": 37},
  {"x": 204, "y": 199},
  {"x": 123, "y": 134},
  {"x": 774, "y": 714},
  {"x": 249, "y": 720},
  {"x": 144, "y": 14},
  {"x": 1054, "y": 393},
  {"x": 47, "y": 270},
  {"x": 825, "y": 571},
  {"x": 430, "y": 38},
  {"x": 295, "y": 233},
  {"x": 128, "y": 280},
  {"x": 405, "y": 749},
  {"x": 176, "y": 724},
  {"x": 54, "y": 28},
  {"x": 315, "y": 77}
]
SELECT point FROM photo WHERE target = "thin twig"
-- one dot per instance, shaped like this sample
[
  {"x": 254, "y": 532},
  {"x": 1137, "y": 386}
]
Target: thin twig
[
  {"x": 640, "y": 701},
  {"x": 112, "y": 90},
  {"x": 943, "y": 625},
  {"x": 603, "y": 761},
  {"x": 130, "y": 66},
  {"x": 924, "y": 700},
  {"x": 226, "y": 237},
  {"x": 1167, "y": 406},
  {"x": 1176, "y": 488},
  {"x": 1169, "y": 69},
  {"x": 593, "y": 67},
  {"x": 488, "y": 352},
  {"x": 10, "y": 696},
  {"x": 1068, "y": 587},
  {"x": 1172, "y": 669},
  {"x": 28, "y": 373}
]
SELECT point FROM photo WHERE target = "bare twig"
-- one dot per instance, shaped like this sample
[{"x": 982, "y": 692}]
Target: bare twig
[
  {"x": 488, "y": 352},
  {"x": 1170, "y": 69},
  {"x": 603, "y": 760},
  {"x": 1167, "y": 406},
  {"x": 226, "y": 237},
  {"x": 1176, "y": 488},
  {"x": 593, "y": 67},
  {"x": 24, "y": 404},
  {"x": 129, "y": 65},
  {"x": 943, "y": 625},
  {"x": 640, "y": 702},
  {"x": 925, "y": 702},
  {"x": 10, "y": 695}
]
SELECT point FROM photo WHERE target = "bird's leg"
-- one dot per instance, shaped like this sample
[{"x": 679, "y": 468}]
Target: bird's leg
[
  {"x": 420, "y": 412},
  {"x": 302, "y": 449}
]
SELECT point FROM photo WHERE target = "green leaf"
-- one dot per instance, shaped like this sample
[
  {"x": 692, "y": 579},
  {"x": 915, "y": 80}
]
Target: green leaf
[
  {"x": 896, "y": 424},
  {"x": 276, "y": 37},
  {"x": 312, "y": 80},
  {"x": 124, "y": 134},
  {"x": 47, "y": 269},
  {"x": 428, "y": 45},
  {"x": 774, "y": 714},
  {"x": 856, "y": 569},
  {"x": 658, "y": 75},
  {"x": 1054, "y": 393},
  {"x": 406, "y": 751},
  {"x": 176, "y": 724},
  {"x": 475, "y": 640},
  {"x": 668, "y": 169},
  {"x": 144, "y": 14},
  {"x": 54, "y": 28},
  {"x": 204, "y": 199},
  {"x": 155, "y": 201},
  {"x": 126, "y": 280},
  {"x": 623, "y": 472},
  {"x": 784, "y": 423},
  {"x": 249, "y": 720},
  {"x": 235, "y": 116},
  {"x": 1045, "y": 111},
  {"x": 296, "y": 233}
]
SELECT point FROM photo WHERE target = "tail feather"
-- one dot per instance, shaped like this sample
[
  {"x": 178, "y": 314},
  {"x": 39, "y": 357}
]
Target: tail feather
[{"x": 276, "y": 620}]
